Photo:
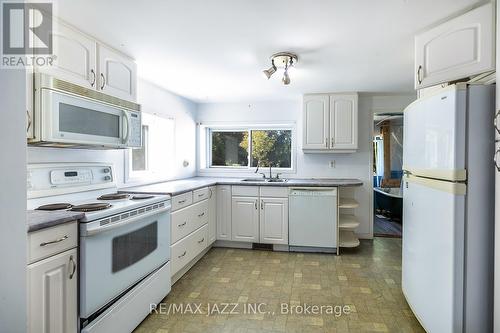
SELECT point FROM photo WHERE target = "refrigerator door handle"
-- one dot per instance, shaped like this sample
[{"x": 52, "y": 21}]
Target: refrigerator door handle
[
  {"x": 495, "y": 159},
  {"x": 495, "y": 121}
]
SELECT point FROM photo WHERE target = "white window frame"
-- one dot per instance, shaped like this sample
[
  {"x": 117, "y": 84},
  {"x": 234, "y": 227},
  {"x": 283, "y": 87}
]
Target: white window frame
[
  {"x": 146, "y": 176},
  {"x": 205, "y": 145}
]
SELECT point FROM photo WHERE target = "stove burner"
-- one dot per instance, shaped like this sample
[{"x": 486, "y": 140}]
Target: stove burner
[
  {"x": 55, "y": 206},
  {"x": 142, "y": 196},
  {"x": 114, "y": 196},
  {"x": 91, "y": 207}
]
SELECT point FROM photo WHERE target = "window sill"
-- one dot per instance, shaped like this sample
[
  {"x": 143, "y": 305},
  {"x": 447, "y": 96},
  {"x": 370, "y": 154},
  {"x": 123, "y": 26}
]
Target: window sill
[{"x": 245, "y": 172}]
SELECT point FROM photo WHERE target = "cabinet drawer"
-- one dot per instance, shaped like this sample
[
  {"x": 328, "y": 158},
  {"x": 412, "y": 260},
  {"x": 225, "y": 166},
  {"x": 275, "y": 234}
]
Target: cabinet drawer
[
  {"x": 245, "y": 191},
  {"x": 274, "y": 191},
  {"x": 186, "y": 220},
  {"x": 182, "y": 200},
  {"x": 188, "y": 248},
  {"x": 51, "y": 241},
  {"x": 200, "y": 194}
]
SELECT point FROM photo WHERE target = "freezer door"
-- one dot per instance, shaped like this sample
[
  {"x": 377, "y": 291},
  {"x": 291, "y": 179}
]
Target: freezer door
[
  {"x": 434, "y": 135},
  {"x": 433, "y": 249}
]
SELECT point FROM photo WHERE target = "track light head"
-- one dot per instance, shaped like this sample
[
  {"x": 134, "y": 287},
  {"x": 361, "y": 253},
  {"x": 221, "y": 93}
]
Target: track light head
[
  {"x": 282, "y": 60},
  {"x": 269, "y": 72}
]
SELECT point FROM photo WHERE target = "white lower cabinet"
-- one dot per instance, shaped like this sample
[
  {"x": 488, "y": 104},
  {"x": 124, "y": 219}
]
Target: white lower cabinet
[
  {"x": 212, "y": 214},
  {"x": 187, "y": 220},
  {"x": 223, "y": 212},
  {"x": 52, "y": 294},
  {"x": 245, "y": 219},
  {"x": 274, "y": 221},
  {"x": 256, "y": 217},
  {"x": 188, "y": 248}
]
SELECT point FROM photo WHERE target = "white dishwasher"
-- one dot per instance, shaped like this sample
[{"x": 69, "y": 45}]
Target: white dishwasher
[{"x": 312, "y": 218}]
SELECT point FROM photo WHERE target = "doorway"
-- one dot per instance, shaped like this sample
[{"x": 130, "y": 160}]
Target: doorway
[{"x": 387, "y": 174}]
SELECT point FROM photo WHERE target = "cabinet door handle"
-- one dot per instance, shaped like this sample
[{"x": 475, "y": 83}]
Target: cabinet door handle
[
  {"x": 55, "y": 241},
  {"x": 262, "y": 204},
  {"x": 201, "y": 240},
  {"x": 72, "y": 265},
  {"x": 181, "y": 201},
  {"x": 332, "y": 143},
  {"x": 200, "y": 215},
  {"x": 210, "y": 193},
  {"x": 29, "y": 121},
  {"x": 182, "y": 255},
  {"x": 495, "y": 159},
  {"x": 182, "y": 224},
  {"x": 93, "y": 78},
  {"x": 256, "y": 205},
  {"x": 103, "y": 81},
  {"x": 326, "y": 142},
  {"x": 419, "y": 71},
  {"x": 495, "y": 121}
]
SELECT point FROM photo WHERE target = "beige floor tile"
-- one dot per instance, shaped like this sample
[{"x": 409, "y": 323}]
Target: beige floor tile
[{"x": 366, "y": 280}]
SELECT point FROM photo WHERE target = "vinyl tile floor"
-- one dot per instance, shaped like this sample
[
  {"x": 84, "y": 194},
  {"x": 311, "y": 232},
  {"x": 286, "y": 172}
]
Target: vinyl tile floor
[{"x": 232, "y": 290}]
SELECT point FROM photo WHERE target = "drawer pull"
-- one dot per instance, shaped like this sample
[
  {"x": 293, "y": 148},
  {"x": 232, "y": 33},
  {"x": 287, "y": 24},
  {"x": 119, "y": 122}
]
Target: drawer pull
[
  {"x": 182, "y": 255},
  {"x": 201, "y": 195},
  {"x": 72, "y": 267},
  {"x": 201, "y": 240},
  {"x": 181, "y": 201},
  {"x": 200, "y": 215},
  {"x": 55, "y": 241},
  {"x": 182, "y": 224}
]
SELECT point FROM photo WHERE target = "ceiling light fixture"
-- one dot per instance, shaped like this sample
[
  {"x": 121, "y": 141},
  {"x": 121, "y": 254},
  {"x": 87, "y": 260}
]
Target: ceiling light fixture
[{"x": 283, "y": 60}]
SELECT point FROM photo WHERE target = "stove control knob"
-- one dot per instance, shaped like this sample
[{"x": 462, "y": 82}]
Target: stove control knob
[
  {"x": 107, "y": 178},
  {"x": 106, "y": 170}
]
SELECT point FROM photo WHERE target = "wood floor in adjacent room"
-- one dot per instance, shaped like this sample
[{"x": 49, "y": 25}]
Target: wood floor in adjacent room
[{"x": 367, "y": 280}]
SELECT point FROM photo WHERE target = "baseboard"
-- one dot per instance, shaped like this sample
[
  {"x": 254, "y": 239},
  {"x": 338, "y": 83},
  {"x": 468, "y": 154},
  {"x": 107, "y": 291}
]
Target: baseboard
[
  {"x": 231, "y": 244},
  {"x": 365, "y": 236}
]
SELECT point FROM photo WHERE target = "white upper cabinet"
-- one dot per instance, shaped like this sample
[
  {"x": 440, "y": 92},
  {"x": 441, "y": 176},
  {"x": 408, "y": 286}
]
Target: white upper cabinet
[
  {"x": 117, "y": 74},
  {"x": 315, "y": 122},
  {"x": 84, "y": 61},
  {"x": 75, "y": 56},
  {"x": 344, "y": 121},
  {"x": 459, "y": 48},
  {"x": 330, "y": 123}
]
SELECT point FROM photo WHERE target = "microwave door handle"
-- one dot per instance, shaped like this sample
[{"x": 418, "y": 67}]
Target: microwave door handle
[{"x": 127, "y": 127}]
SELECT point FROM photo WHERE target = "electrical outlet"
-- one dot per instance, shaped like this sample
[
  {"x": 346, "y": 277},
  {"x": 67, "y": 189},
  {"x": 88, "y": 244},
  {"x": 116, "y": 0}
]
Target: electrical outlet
[{"x": 331, "y": 164}]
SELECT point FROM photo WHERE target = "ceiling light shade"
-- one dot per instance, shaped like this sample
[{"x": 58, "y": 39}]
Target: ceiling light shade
[
  {"x": 269, "y": 72},
  {"x": 283, "y": 60},
  {"x": 286, "y": 78}
]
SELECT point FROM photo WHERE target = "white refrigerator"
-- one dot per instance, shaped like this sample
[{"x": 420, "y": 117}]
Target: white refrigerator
[{"x": 448, "y": 209}]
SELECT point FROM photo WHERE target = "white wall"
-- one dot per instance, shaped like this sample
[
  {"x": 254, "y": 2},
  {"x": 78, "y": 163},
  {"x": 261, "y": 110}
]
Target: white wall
[
  {"x": 153, "y": 99},
  {"x": 13, "y": 237},
  {"x": 356, "y": 165}
]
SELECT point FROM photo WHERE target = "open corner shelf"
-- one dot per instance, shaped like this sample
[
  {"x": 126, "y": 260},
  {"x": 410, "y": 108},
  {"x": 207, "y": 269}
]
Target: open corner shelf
[
  {"x": 348, "y": 203},
  {"x": 348, "y": 221},
  {"x": 348, "y": 239}
]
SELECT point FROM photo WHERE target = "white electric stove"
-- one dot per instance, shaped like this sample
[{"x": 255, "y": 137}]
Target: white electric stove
[{"x": 124, "y": 248}]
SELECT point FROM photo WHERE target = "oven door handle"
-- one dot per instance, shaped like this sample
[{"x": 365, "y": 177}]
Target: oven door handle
[{"x": 93, "y": 230}]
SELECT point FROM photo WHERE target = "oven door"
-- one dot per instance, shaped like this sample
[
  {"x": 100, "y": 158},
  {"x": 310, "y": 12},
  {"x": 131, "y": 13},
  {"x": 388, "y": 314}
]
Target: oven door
[
  {"x": 71, "y": 119},
  {"x": 115, "y": 258}
]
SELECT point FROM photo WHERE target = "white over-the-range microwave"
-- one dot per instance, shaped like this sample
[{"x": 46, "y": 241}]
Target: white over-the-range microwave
[{"x": 67, "y": 115}]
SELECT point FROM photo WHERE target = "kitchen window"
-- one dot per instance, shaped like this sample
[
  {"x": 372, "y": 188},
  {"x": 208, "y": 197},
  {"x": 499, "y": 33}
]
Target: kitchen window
[
  {"x": 154, "y": 160},
  {"x": 246, "y": 148}
]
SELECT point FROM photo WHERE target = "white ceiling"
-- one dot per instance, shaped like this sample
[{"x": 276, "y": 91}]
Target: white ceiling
[{"x": 216, "y": 50}]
